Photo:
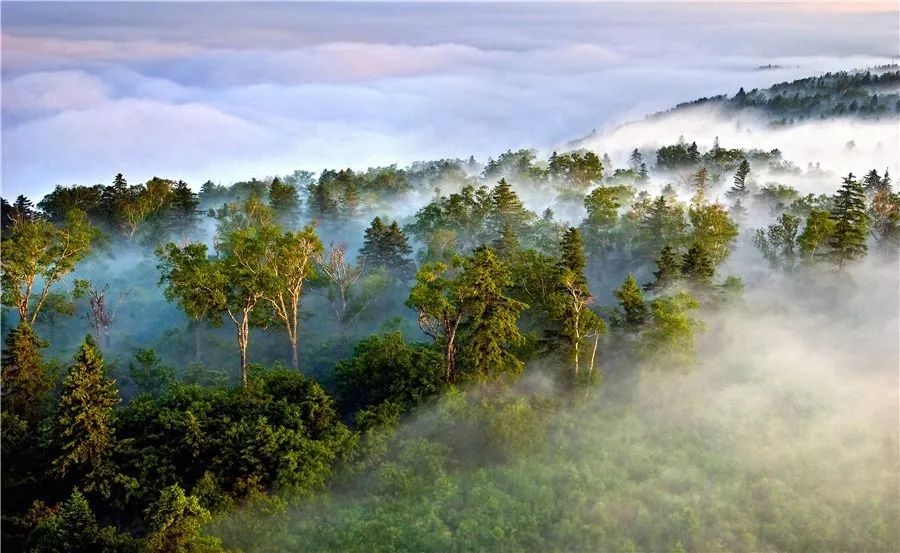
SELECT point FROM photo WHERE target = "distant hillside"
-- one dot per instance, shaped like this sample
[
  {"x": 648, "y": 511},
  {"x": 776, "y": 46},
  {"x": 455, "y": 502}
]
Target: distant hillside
[{"x": 868, "y": 94}]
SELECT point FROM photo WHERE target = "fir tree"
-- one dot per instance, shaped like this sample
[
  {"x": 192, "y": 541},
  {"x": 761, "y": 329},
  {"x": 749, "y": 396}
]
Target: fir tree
[
  {"x": 25, "y": 383},
  {"x": 571, "y": 252},
  {"x": 851, "y": 223},
  {"x": 507, "y": 244},
  {"x": 631, "y": 303},
  {"x": 507, "y": 209},
  {"x": 73, "y": 530},
  {"x": 739, "y": 191},
  {"x": 386, "y": 246},
  {"x": 85, "y": 437},
  {"x": 668, "y": 269},
  {"x": 492, "y": 325},
  {"x": 285, "y": 202},
  {"x": 697, "y": 265},
  {"x": 871, "y": 182},
  {"x": 636, "y": 160}
]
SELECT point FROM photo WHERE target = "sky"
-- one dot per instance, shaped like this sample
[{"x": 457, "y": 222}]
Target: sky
[{"x": 229, "y": 91}]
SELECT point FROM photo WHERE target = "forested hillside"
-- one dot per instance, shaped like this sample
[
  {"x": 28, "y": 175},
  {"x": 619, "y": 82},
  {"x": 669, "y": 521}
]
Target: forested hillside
[{"x": 684, "y": 349}]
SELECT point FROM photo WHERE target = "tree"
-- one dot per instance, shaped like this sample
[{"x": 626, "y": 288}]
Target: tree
[
  {"x": 700, "y": 185},
  {"x": 575, "y": 326},
  {"x": 668, "y": 269},
  {"x": 578, "y": 170},
  {"x": 671, "y": 332},
  {"x": 851, "y": 223},
  {"x": 602, "y": 206},
  {"x": 25, "y": 382},
  {"x": 491, "y": 326},
  {"x": 739, "y": 191},
  {"x": 142, "y": 201},
  {"x": 713, "y": 229},
  {"x": 663, "y": 224},
  {"x": 814, "y": 239},
  {"x": 507, "y": 209},
  {"x": 84, "y": 432},
  {"x": 196, "y": 282},
  {"x": 101, "y": 315},
  {"x": 872, "y": 182},
  {"x": 39, "y": 250},
  {"x": 386, "y": 247},
  {"x": 439, "y": 308},
  {"x": 285, "y": 202},
  {"x": 349, "y": 289},
  {"x": 631, "y": 303},
  {"x": 182, "y": 211},
  {"x": 884, "y": 214},
  {"x": 778, "y": 243},
  {"x": 174, "y": 525},
  {"x": 698, "y": 265},
  {"x": 636, "y": 160},
  {"x": 293, "y": 257},
  {"x": 386, "y": 368},
  {"x": 506, "y": 245},
  {"x": 73, "y": 530}
]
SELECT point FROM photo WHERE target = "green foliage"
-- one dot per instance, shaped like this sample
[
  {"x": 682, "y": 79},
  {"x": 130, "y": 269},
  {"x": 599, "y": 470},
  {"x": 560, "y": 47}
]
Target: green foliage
[
  {"x": 578, "y": 170},
  {"x": 25, "y": 382},
  {"x": 816, "y": 235},
  {"x": 149, "y": 374},
  {"x": 713, "y": 230},
  {"x": 670, "y": 335},
  {"x": 668, "y": 269},
  {"x": 85, "y": 437},
  {"x": 386, "y": 246},
  {"x": 386, "y": 368},
  {"x": 697, "y": 265},
  {"x": 851, "y": 223},
  {"x": 40, "y": 251},
  {"x": 491, "y": 326},
  {"x": 285, "y": 202},
  {"x": 174, "y": 525},
  {"x": 631, "y": 304},
  {"x": 778, "y": 243}
]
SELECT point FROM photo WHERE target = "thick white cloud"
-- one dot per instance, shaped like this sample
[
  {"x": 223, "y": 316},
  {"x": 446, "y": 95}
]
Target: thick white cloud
[{"x": 187, "y": 91}]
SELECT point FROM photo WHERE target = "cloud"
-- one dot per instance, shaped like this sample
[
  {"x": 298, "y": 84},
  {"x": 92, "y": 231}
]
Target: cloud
[{"x": 53, "y": 91}]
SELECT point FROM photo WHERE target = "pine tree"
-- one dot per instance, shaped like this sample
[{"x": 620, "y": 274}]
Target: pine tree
[
  {"x": 85, "y": 436},
  {"x": 700, "y": 185},
  {"x": 668, "y": 269},
  {"x": 636, "y": 160},
  {"x": 643, "y": 174},
  {"x": 507, "y": 244},
  {"x": 693, "y": 153},
  {"x": 386, "y": 246},
  {"x": 631, "y": 303},
  {"x": 571, "y": 252},
  {"x": 23, "y": 209},
  {"x": 183, "y": 211},
  {"x": 285, "y": 202},
  {"x": 851, "y": 223},
  {"x": 739, "y": 191},
  {"x": 25, "y": 383},
  {"x": 507, "y": 209},
  {"x": 871, "y": 182},
  {"x": 575, "y": 329},
  {"x": 73, "y": 530},
  {"x": 697, "y": 265},
  {"x": 492, "y": 326}
]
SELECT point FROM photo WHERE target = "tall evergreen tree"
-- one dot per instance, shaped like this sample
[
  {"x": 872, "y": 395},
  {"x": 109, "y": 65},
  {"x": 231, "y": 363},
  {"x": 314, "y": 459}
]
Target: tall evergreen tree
[
  {"x": 285, "y": 202},
  {"x": 571, "y": 254},
  {"x": 386, "y": 246},
  {"x": 851, "y": 223},
  {"x": 84, "y": 430},
  {"x": 182, "y": 211},
  {"x": 668, "y": 269},
  {"x": 506, "y": 208},
  {"x": 739, "y": 190},
  {"x": 492, "y": 325},
  {"x": 636, "y": 160},
  {"x": 631, "y": 303},
  {"x": 25, "y": 382},
  {"x": 698, "y": 265},
  {"x": 507, "y": 244},
  {"x": 871, "y": 182}
]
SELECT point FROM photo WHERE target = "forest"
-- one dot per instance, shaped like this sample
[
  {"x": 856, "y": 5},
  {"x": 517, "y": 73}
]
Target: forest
[{"x": 542, "y": 351}]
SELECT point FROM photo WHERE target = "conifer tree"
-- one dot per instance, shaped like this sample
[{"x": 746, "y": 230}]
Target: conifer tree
[
  {"x": 636, "y": 160},
  {"x": 576, "y": 329},
  {"x": 25, "y": 383},
  {"x": 386, "y": 246},
  {"x": 73, "y": 530},
  {"x": 739, "y": 191},
  {"x": 492, "y": 325},
  {"x": 174, "y": 524},
  {"x": 507, "y": 209},
  {"x": 506, "y": 245},
  {"x": 85, "y": 436},
  {"x": 631, "y": 303},
  {"x": 872, "y": 182},
  {"x": 698, "y": 265},
  {"x": 668, "y": 269},
  {"x": 851, "y": 223},
  {"x": 285, "y": 202}
]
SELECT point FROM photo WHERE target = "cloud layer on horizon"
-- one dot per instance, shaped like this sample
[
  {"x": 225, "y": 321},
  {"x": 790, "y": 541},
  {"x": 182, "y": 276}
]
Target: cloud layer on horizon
[{"x": 183, "y": 91}]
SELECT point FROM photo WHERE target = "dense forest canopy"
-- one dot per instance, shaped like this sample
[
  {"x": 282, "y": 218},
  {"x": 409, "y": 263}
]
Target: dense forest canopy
[{"x": 681, "y": 349}]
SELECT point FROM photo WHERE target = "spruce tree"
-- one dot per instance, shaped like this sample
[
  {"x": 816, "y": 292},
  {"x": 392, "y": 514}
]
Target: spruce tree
[
  {"x": 631, "y": 303},
  {"x": 25, "y": 383},
  {"x": 507, "y": 244},
  {"x": 73, "y": 530},
  {"x": 871, "y": 182},
  {"x": 571, "y": 254},
  {"x": 285, "y": 202},
  {"x": 507, "y": 209},
  {"x": 668, "y": 269},
  {"x": 636, "y": 160},
  {"x": 851, "y": 223},
  {"x": 492, "y": 325},
  {"x": 697, "y": 265},
  {"x": 739, "y": 191},
  {"x": 386, "y": 246},
  {"x": 85, "y": 436}
]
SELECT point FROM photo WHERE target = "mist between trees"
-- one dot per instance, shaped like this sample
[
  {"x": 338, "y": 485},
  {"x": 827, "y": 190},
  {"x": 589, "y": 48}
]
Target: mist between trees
[{"x": 679, "y": 350}]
